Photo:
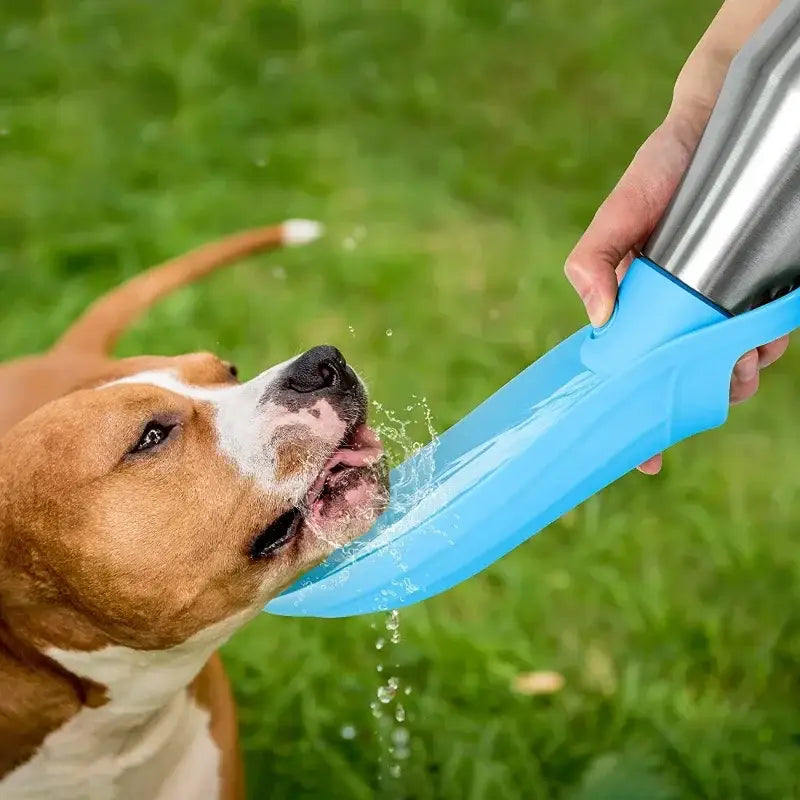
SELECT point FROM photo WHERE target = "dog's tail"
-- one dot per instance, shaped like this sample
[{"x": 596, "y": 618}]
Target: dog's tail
[{"x": 105, "y": 320}]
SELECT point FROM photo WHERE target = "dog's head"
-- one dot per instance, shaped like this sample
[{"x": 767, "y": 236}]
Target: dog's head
[{"x": 169, "y": 497}]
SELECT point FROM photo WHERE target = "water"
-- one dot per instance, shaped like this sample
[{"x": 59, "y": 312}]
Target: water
[
  {"x": 424, "y": 487},
  {"x": 501, "y": 452},
  {"x": 394, "y": 738},
  {"x": 399, "y": 445},
  {"x": 410, "y": 440},
  {"x": 393, "y": 626},
  {"x": 386, "y": 693}
]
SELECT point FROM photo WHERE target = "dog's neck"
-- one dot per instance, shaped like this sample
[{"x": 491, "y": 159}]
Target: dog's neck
[
  {"x": 129, "y": 743},
  {"x": 37, "y": 698}
]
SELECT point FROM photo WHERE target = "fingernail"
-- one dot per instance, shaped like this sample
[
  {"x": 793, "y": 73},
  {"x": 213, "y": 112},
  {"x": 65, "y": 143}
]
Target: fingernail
[
  {"x": 596, "y": 309},
  {"x": 746, "y": 367}
]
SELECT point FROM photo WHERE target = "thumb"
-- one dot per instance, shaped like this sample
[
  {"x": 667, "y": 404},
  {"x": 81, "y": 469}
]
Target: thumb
[{"x": 626, "y": 219}]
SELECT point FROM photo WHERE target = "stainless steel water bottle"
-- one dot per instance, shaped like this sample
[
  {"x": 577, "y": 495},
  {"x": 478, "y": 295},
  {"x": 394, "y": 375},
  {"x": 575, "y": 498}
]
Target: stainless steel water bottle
[{"x": 732, "y": 230}]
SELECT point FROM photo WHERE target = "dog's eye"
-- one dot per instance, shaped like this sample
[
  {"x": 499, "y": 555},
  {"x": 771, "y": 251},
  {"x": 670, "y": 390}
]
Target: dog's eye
[{"x": 155, "y": 433}]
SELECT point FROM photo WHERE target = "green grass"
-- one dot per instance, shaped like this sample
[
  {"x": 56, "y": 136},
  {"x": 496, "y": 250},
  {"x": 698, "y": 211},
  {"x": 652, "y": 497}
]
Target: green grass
[{"x": 469, "y": 142}]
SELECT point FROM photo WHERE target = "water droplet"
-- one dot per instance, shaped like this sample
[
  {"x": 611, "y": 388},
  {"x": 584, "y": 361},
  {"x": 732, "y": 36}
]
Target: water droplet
[
  {"x": 401, "y": 753},
  {"x": 395, "y": 770},
  {"x": 393, "y": 622},
  {"x": 395, "y": 637},
  {"x": 393, "y": 683},
  {"x": 348, "y": 732},
  {"x": 353, "y": 333},
  {"x": 408, "y": 690},
  {"x": 400, "y": 737},
  {"x": 380, "y": 667},
  {"x": 385, "y": 694},
  {"x": 349, "y": 243},
  {"x": 380, "y": 643},
  {"x": 376, "y": 709},
  {"x": 389, "y": 332},
  {"x": 400, "y": 713}
]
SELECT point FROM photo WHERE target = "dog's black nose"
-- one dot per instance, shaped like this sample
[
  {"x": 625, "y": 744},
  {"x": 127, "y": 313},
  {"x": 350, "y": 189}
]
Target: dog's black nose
[{"x": 318, "y": 369}]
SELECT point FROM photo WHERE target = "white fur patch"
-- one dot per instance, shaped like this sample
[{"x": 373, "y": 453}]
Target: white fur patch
[
  {"x": 150, "y": 740},
  {"x": 301, "y": 231},
  {"x": 246, "y": 426}
]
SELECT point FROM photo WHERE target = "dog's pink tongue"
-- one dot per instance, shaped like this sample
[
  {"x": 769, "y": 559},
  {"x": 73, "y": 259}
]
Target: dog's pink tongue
[{"x": 365, "y": 448}]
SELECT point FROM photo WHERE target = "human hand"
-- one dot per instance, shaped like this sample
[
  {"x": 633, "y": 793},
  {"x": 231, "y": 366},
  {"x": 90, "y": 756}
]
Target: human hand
[{"x": 625, "y": 221}]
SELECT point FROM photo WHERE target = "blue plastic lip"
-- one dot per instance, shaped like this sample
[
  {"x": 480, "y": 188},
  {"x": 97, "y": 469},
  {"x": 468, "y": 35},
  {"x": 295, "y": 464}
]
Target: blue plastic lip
[
  {"x": 639, "y": 405},
  {"x": 598, "y": 332},
  {"x": 670, "y": 277}
]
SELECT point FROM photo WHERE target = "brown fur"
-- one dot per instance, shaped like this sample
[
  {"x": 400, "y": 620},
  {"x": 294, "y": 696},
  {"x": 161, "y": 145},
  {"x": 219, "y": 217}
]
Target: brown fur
[{"x": 72, "y": 574}]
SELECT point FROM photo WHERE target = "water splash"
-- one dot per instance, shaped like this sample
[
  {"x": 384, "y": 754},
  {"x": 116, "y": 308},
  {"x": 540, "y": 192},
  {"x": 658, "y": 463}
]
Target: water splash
[
  {"x": 390, "y": 714},
  {"x": 387, "y": 692},
  {"x": 411, "y": 485},
  {"x": 420, "y": 492},
  {"x": 399, "y": 446},
  {"x": 393, "y": 626}
]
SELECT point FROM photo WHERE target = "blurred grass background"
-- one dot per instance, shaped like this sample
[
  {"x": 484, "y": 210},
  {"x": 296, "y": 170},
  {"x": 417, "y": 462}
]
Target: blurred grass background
[{"x": 455, "y": 149}]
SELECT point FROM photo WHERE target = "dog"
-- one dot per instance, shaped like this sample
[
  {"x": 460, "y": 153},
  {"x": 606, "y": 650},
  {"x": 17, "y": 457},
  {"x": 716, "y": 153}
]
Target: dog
[{"x": 149, "y": 507}]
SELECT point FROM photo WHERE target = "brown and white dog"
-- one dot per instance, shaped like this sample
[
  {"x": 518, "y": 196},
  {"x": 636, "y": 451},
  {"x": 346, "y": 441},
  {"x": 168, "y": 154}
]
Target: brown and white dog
[{"x": 150, "y": 506}]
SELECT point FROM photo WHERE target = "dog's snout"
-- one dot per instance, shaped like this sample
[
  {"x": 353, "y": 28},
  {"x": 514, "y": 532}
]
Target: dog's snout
[{"x": 319, "y": 369}]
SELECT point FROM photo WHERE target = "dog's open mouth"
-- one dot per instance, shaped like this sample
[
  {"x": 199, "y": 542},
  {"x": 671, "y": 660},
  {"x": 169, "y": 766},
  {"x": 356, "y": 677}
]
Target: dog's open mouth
[
  {"x": 358, "y": 453},
  {"x": 345, "y": 485}
]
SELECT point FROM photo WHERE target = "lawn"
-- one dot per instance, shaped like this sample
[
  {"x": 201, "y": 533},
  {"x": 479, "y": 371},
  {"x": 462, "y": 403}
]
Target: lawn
[{"x": 455, "y": 149}]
